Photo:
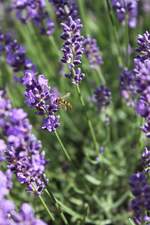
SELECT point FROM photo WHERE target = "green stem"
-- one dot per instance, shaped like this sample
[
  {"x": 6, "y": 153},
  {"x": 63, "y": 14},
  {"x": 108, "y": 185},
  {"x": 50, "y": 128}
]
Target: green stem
[
  {"x": 53, "y": 198},
  {"x": 44, "y": 204},
  {"x": 47, "y": 209},
  {"x": 114, "y": 31},
  {"x": 63, "y": 147},
  {"x": 131, "y": 221},
  {"x": 101, "y": 77},
  {"x": 89, "y": 121}
]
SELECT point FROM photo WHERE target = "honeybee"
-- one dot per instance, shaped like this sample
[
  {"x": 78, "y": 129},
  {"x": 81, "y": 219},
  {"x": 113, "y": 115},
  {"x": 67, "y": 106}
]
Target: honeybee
[{"x": 62, "y": 102}]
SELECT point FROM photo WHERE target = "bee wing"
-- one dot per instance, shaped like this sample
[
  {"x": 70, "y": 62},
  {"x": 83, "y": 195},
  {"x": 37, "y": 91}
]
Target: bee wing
[{"x": 66, "y": 95}]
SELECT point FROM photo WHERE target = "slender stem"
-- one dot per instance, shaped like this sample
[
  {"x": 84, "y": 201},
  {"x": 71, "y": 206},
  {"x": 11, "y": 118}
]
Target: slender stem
[
  {"x": 62, "y": 146},
  {"x": 47, "y": 209},
  {"x": 101, "y": 77},
  {"x": 89, "y": 121},
  {"x": 114, "y": 31},
  {"x": 53, "y": 198},
  {"x": 44, "y": 204},
  {"x": 131, "y": 221}
]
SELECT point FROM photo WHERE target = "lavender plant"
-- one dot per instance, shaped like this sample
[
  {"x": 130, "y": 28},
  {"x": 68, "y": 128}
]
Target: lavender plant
[{"x": 99, "y": 120}]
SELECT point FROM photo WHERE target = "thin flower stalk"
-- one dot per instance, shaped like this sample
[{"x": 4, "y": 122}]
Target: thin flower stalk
[
  {"x": 88, "y": 119},
  {"x": 58, "y": 208},
  {"x": 62, "y": 146}
]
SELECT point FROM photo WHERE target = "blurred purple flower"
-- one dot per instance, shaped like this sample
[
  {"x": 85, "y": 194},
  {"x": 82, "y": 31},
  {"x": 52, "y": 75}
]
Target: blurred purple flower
[
  {"x": 3, "y": 148},
  {"x": 102, "y": 97},
  {"x": 141, "y": 191},
  {"x": 126, "y": 9},
  {"x": 35, "y": 11},
  {"x": 92, "y": 52},
  {"x": 8, "y": 213},
  {"x": 5, "y": 183},
  {"x": 127, "y": 87}
]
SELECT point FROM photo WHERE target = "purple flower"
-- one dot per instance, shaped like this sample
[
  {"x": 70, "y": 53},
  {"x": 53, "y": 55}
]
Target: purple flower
[
  {"x": 5, "y": 183},
  {"x": 146, "y": 159},
  {"x": 3, "y": 148},
  {"x": 141, "y": 191},
  {"x": 65, "y": 8},
  {"x": 8, "y": 213},
  {"x": 39, "y": 95},
  {"x": 27, "y": 215},
  {"x": 92, "y": 52},
  {"x": 72, "y": 48},
  {"x": 30, "y": 10},
  {"x": 144, "y": 46},
  {"x": 126, "y": 8},
  {"x": 15, "y": 54},
  {"x": 102, "y": 97},
  {"x": 23, "y": 154},
  {"x": 51, "y": 123},
  {"x": 135, "y": 84},
  {"x": 5, "y": 106},
  {"x": 127, "y": 86}
]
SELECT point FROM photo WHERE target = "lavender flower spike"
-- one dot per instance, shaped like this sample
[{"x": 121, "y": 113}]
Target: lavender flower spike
[
  {"x": 144, "y": 46},
  {"x": 23, "y": 154},
  {"x": 102, "y": 97},
  {"x": 43, "y": 98},
  {"x": 126, "y": 8},
  {"x": 72, "y": 48},
  {"x": 8, "y": 213},
  {"x": 92, "y": 52},
  {"x": 34, "y": 11},
  {"x": 64, "y": 9},
  {"x": 141, "y": 202}
]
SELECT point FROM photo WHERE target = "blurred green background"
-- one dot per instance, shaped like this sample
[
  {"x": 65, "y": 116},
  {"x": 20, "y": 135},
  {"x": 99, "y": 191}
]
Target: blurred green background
[{"x": 97, "y": 191}]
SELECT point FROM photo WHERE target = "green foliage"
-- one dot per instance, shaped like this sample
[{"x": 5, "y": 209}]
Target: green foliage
[{"x": 95, "y": 190}]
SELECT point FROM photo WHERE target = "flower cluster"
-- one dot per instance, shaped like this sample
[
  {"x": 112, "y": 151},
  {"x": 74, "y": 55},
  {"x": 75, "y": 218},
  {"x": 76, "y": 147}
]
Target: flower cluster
[
  {"x": 23, "y": 153},
  {"x": 65, "y": 8},
  {"x": 92, "y": 52},
  {"x": 146, "y": 159},
  {"x": 3, "y": 148},
  {"x": 127, "y": 87},
  {"x": 43, "y": 98},
  {"x": 143, "y": 46},
  {"x": 126, "y": 9},
  {"x": 5, "y": 183},
  {"x": 141, "y": 202},
  {"x": 38, "y": 94},
  {"x": 8, "y": 213},
  {"x": 73, "y": 48},
  {"x": 35, "y": 11},
  {"x": 135, "y": 84},
  {"x": 135, "y": 89},
  {"x": 102, "y": 97},
  {"x": 15, "y": 53}
]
